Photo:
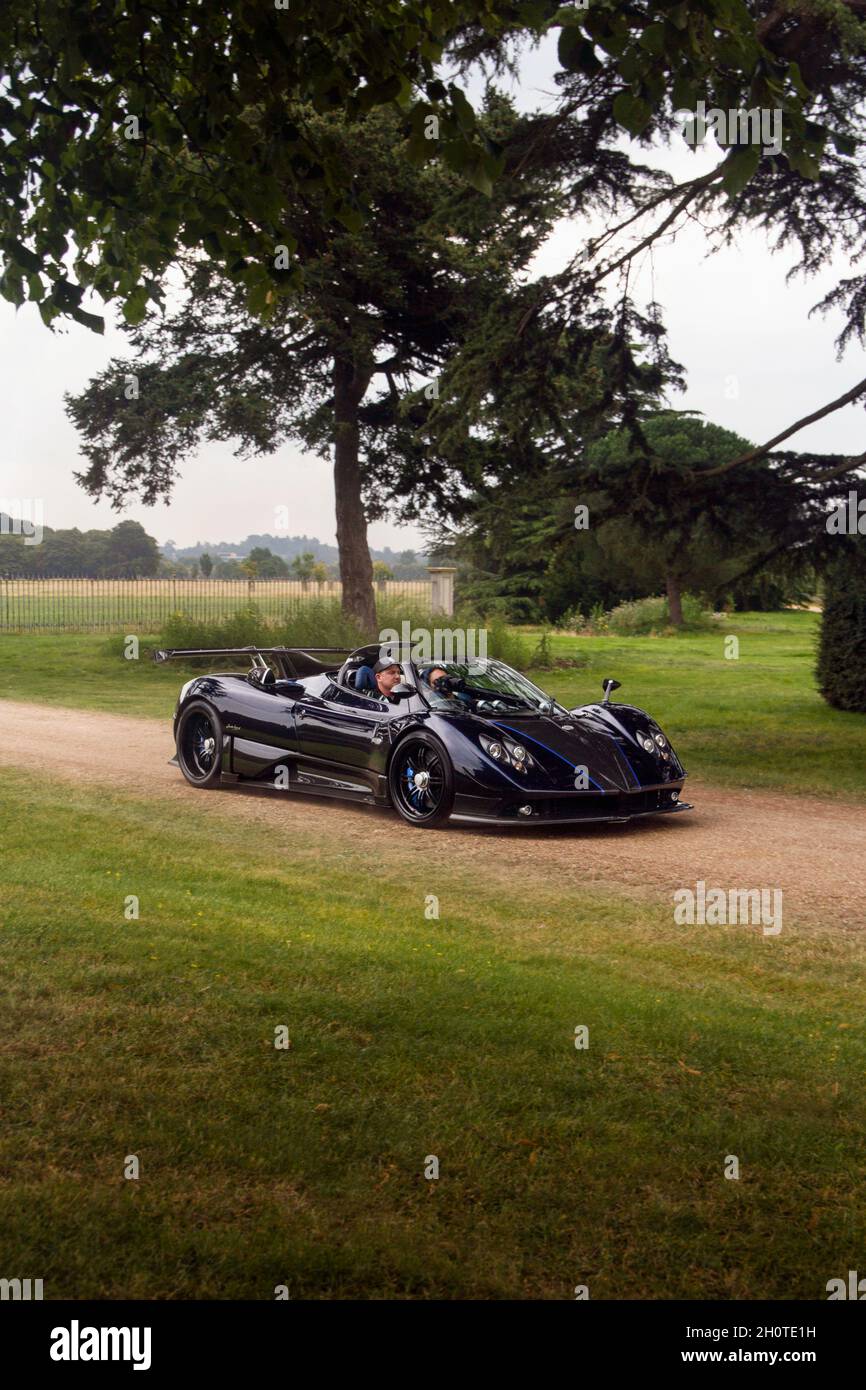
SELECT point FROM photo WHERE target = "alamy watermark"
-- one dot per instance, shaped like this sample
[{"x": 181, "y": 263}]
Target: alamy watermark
[
  {"x": 465, "y": 645},
  {"x": 855, "y": 1288},
  {"x": 761, "y": 125},
  {"x": 22, "y": 516},
  {"x": 849, "y": 518},
  {"x": 77, "y": 1343},
  {"x": 720, "y": 907},
  {"x": 20, "y": 1290}
]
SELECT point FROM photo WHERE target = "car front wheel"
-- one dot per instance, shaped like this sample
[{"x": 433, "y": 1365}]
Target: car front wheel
[{"x": 421, "y": 781}]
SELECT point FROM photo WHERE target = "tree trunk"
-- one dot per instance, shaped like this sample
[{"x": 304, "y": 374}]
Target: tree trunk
[
  {"x": 675, "y": 601},
  {"x": 356, "y": 567}
]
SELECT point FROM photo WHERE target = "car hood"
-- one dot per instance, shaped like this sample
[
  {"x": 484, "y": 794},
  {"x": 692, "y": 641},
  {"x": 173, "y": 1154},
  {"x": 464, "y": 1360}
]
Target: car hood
[{"x": 601, "y": 741}]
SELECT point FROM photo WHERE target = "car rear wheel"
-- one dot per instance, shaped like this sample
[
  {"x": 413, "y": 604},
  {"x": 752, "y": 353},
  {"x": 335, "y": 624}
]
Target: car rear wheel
[
  {"x": 421, "y": 781},
  {"x": 199, "y": 744}
]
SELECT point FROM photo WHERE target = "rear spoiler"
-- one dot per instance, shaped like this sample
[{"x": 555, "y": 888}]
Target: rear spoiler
[
  {"x": 168, "y": 653},
  {"x": 289, "y": 658}
]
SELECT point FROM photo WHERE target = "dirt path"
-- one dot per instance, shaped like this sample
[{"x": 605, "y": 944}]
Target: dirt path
[{"x": 813, "y": 849}]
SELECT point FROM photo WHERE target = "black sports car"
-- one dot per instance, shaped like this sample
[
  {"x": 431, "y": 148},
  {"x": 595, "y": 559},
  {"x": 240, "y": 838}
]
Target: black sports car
[{"x": 473, "y": 741}]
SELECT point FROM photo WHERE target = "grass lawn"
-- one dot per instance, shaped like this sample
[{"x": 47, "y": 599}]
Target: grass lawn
[
  {"x": 409, "y": 1038},
  {"x": 756, "y": 721}
]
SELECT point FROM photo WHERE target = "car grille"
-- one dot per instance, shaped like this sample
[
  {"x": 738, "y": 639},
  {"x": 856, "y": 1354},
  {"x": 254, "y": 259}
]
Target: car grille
[{"x": 589, "y": 805}]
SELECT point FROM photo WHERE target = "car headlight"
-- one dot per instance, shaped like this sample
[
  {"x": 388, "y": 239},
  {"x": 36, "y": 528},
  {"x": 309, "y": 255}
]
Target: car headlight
[
  {"x": 520, "y": 759},
  {"x": 513, "y": 754},
  {"x": 494, "y": 748},
  {"x": 661, "y": 740},
  {"x": 646, "y": 743}
]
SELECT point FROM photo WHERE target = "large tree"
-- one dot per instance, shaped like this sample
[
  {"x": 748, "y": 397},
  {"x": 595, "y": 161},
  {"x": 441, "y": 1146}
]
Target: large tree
[
  {"x": 130, "y": 134},
  {"x": 334, "y": 368},
  {"x": 610, "y": 523}
]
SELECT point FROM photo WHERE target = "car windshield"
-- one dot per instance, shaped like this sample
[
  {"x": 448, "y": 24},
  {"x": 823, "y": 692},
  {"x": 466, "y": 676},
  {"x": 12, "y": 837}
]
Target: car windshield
[{"x": 484, "y": 687}]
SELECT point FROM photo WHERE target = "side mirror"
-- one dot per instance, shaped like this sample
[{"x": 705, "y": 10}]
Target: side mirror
[
  {"x": 402, "y": 691},
  {"x": 608, "y": 685}
]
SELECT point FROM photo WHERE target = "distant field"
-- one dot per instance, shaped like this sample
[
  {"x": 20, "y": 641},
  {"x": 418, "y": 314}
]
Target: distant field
[
  {"x": 754, "y": 722},
  {"x": 143, "y": 605}
]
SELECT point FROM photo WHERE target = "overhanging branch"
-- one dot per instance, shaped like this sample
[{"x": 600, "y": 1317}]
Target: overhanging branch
[{"x": 752, "y": 454}]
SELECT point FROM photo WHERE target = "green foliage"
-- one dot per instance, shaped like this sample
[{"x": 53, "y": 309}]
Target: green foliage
[
  {"x": 318, "y": 623},
  {"x": 546, "y": 658},
  {"x": 653, "y": 519},
  {"x": 303, "y": 566},
  {"x": 260, "y": 563},
  {"x": 598, "y": 620},
  {"x": 572, "y": 620},
  {"x": 504, "y": 644},
  {"x": 659, "y": 521},
  {"x": 147, "y": 138},
  {"x": 651, "y": 616},
  {"x": 124, "y": 551},
  {"x": 156, "y": 133},
  {"x": 227, "y": 569},
  {"x": 379, "y": 307},
  {"x": 772, "y": 589},
  {"x": 841, "y": 669}
]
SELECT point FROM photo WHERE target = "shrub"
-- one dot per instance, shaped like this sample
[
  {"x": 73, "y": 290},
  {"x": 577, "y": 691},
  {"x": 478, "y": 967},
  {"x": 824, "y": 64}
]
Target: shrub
[
  {"x": 650, "y": 615},
  {"x": 841, "y": 669},
  {"x": 572, "y": 620},
  {"x": 598, "y": 620},
  {"x": 503, "y": 643},
  {"x": 321, "y": 623},
  {"x": 544, "y": 658},
  {"x": 506, "y": 645},
  {"x": 639, "y": 617}
]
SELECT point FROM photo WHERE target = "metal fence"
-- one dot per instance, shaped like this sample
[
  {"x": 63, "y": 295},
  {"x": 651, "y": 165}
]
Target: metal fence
[{"x": 143, "y": 605}]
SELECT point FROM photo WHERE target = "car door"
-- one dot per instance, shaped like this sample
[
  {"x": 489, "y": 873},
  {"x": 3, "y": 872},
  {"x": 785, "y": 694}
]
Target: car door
[
  {"x": 261, "y": 725},
  {"x": 341, "y": 727}
]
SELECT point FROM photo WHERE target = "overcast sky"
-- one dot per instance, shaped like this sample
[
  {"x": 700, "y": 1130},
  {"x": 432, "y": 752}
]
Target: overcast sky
[{"x": 755, "y": 363}]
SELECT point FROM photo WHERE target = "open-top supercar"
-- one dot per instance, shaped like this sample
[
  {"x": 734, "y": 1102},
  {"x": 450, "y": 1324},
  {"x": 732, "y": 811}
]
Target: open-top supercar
[{"x": 463, "y": 741}]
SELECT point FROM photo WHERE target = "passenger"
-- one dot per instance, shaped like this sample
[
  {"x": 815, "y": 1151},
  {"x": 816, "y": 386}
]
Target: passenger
[
  {"x": 433, "y": 676},
  {"x": 365, "y": 681}
]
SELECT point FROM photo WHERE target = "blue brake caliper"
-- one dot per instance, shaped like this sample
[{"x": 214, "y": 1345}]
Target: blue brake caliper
[{"x": 411, "y": 788}]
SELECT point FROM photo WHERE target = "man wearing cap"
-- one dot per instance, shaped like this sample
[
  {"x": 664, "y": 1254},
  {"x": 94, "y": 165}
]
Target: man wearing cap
[{"x": 380, "y": 680}]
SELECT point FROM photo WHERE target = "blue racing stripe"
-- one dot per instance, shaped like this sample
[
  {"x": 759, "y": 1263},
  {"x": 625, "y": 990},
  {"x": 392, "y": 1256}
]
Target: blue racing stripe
[
  {"x": 523, "y": 737},
  {"x": 618, "y": 743}
]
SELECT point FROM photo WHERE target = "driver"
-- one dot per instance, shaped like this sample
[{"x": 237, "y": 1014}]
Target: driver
[{"x": 386, "y": 674}]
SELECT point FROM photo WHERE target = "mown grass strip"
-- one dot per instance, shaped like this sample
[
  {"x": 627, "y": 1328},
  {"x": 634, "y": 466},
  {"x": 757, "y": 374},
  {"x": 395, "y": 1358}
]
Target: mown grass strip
[{"x": 410, "y": 1038}]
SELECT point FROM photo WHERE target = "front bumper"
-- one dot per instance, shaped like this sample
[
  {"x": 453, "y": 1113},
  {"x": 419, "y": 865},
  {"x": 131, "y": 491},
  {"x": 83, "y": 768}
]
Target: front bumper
[{"x": 584, "y": 808}]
